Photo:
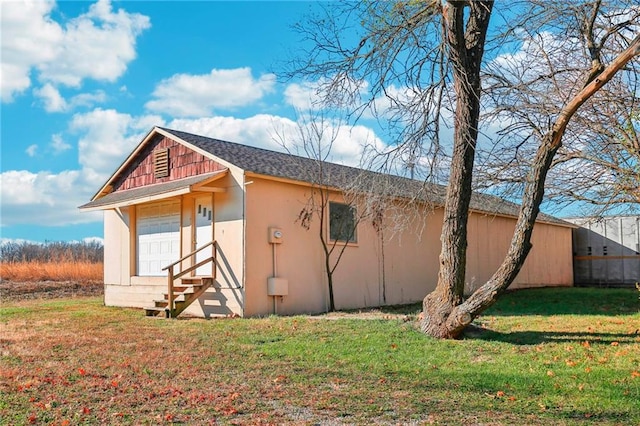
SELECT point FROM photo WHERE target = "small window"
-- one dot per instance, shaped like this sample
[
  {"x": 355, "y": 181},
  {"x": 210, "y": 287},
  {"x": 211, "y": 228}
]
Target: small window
[{"x": 342, "y": 223}]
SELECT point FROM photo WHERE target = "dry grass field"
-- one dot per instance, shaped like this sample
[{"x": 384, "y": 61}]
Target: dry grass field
[
  {"x": 49, "y": 280},
  {"x": 67, "y": 270},
  {"x": 51, "y": 261}
]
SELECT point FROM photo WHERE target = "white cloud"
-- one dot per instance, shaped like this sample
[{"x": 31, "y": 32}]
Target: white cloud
[
  {"x": 107, "y": 137},
  {"x": 58, "y": 145},
  {"x": 97, "y": 45},
  {"x": 43, "y": 198},
  {"x": 50, "y": 96},
  {"x": 4, "y": 241},
  {"x": 88, "y": 99},
  {"x": 29, "y": 37},
  {"x": 303, "y": 96},
  {"x": 31, "y": 150},
  {"x": 259, "y": 130},
  {"x": 54, "y": 102},
  {"x": 271, "y": 132},
  {"x": 93, "y": 240},
  {"x": 310, "y": 95},
  {"x": 186, "y": 95}
]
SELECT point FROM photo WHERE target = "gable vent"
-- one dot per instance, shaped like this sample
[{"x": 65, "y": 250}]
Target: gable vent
[{"x": 161, "y": 162}]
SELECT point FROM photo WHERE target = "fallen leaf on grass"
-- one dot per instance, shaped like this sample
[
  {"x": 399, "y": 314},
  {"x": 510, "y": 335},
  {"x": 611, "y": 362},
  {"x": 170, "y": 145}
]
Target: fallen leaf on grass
[
  {"x": 550, "y": 373},
  {"x": 635, "y": 374}
]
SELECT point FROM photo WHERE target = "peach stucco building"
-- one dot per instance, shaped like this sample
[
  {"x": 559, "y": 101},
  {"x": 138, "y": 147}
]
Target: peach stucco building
[{"x": 177, "y": 192}]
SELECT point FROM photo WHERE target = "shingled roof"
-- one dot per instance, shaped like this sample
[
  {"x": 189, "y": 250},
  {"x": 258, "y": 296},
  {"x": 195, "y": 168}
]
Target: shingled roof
[{"x": 303, "y": 169}]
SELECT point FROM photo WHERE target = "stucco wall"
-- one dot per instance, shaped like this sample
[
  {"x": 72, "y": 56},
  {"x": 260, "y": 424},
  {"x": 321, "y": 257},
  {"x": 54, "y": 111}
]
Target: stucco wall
[
  {"x": 117, "y": 253},
  {"x": 299, "y": 256},
  {"x": 384, "y": 267},
  {"x": 549, "y": 263},
  {"x": 404, "y": 270}
]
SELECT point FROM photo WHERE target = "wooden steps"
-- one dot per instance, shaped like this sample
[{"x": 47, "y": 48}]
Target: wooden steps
[{"x": 184, "y": 294}]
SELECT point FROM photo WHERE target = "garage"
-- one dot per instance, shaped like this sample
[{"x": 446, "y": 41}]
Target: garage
[{"x": 158, "y": 237}]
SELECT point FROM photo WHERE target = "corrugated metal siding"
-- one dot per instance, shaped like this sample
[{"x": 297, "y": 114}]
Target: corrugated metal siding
[{"x": 607, "y": 252}]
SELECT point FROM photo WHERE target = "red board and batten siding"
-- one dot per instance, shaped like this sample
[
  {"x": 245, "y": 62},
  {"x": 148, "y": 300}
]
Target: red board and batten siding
[{"x": 183, "y": 163}]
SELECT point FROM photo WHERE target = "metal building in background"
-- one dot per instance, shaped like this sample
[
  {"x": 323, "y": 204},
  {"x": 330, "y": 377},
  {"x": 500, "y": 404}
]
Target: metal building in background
[{"x": 606, "y": 251}]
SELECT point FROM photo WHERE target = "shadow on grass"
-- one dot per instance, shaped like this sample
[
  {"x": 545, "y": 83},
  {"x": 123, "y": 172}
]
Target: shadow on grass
[
  {"x": 538, "y": 337},
  {"x": 543, "y": 301},
  {"x": 567, "y": 301},
  {"x": 546, "y": 301}
]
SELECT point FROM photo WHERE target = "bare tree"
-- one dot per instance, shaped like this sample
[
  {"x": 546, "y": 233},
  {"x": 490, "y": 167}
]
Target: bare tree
[
  {"x": 340, "y": 198},
  {"x": 597, "y": 163},
  {"x": 421, "y": 63}
]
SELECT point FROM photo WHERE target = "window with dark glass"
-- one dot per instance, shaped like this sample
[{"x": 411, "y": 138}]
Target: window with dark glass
[{"x": 342, "y": 223}]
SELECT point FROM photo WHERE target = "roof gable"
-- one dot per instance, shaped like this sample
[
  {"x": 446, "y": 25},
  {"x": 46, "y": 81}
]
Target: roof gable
[
  {"x": 183, "y": 163},
  {"x": 138, "y": 169}
]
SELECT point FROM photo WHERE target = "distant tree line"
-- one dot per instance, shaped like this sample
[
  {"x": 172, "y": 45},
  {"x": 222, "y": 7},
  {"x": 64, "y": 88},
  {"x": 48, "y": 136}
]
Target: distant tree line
[{"x": 58, "y": 251}]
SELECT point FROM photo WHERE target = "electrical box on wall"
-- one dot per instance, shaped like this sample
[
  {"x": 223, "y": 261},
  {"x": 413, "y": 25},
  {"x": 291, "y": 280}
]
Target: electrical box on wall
[
  {"x": 275, "y": 235},
  {"x": 277, "y": 286}
]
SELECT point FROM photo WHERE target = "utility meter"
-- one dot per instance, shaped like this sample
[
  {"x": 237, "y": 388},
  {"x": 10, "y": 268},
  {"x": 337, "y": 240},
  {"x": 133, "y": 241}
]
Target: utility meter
[{"x": 275, "y": 235}]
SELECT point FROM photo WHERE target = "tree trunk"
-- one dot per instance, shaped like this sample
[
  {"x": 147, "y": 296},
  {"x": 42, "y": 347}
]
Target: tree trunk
[{"x": 465, "y": 42}]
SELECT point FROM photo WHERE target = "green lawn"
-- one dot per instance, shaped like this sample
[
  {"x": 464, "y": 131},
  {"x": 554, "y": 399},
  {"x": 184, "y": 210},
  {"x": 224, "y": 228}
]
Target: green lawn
[{"x": 551, "y": 356}]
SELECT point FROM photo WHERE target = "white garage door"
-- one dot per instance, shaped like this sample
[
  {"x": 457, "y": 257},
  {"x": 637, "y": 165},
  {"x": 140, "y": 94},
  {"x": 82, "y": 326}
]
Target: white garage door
[{"x": 158, "y": 237}]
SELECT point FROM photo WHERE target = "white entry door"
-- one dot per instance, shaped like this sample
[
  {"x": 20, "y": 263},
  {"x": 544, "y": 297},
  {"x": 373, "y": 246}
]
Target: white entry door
[
  {"x": 204, "y": 232},
  {"x": 158, "y": 237}
]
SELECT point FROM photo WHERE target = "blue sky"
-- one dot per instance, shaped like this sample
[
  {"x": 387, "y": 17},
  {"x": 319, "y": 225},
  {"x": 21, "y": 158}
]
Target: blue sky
[{"x": 83, "y": 82}]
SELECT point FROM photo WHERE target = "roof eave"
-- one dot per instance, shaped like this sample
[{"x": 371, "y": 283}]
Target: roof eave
[
  {"x": 140, "y": 200},
  {"x": 200, "y": 186}
]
